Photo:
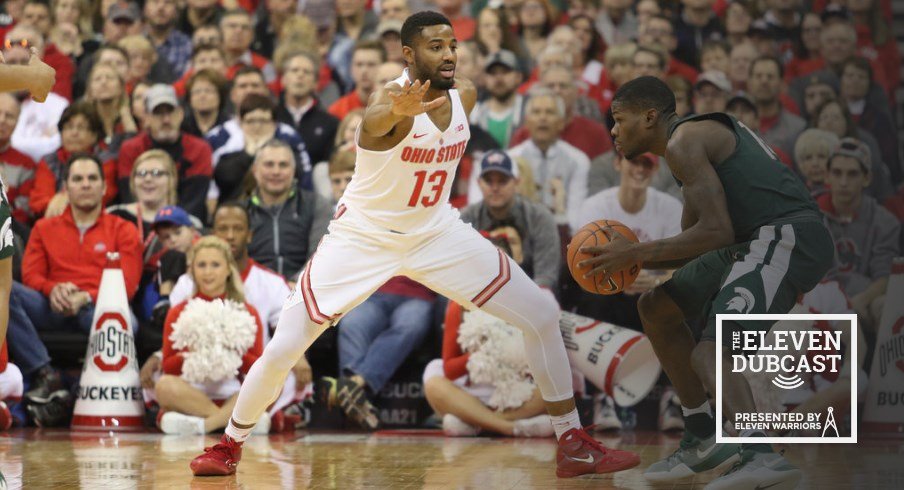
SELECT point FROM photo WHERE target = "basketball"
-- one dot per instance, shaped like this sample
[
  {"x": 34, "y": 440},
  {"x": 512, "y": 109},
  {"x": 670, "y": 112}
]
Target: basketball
[{"x": 595, "y": 234}]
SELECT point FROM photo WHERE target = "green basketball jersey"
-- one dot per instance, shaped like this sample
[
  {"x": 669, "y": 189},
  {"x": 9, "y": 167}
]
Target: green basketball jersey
[
  {"x": 759, "y": 188},
  {"x": 6, "y": 225}
]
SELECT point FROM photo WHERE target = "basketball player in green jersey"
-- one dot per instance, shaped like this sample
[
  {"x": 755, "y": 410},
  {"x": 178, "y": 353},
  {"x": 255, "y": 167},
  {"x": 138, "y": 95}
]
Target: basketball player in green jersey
[{"x": 752, "y": 241}]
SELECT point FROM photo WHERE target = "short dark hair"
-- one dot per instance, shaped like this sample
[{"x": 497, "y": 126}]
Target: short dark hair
[
  {"x": 205, "y": 47},
  {"x": 860, "y": 63},
  {"x": 646, "y": 93},
  {"x": 658, "y": 53},
  {"x": 233, "y": 204},
  {"x": 87, "y": 110},
  {"x": 255, "y": 102},
  {"x": 415, "y": 23},
  {"x": 771, "y": 59},
  {"x": 82, "y": 156},
  {"x": 245, "y": 70}
]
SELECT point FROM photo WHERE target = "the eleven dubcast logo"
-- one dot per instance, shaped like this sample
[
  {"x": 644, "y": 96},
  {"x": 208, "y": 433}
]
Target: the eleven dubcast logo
[{"x": 790, "y": 358}]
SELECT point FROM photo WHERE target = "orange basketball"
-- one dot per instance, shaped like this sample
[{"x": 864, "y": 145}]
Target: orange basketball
[{"x": 598, "y": 233}]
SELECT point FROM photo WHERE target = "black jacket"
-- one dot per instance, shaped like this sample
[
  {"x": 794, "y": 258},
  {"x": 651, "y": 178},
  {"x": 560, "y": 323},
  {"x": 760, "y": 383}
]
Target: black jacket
[
  {"x": 317, "y": 128},
  {"x": 284, "y": 236}
]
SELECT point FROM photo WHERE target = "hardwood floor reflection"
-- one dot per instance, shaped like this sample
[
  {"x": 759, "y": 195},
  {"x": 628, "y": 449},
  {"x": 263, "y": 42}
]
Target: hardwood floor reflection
[{"x": 32, "y": 458}]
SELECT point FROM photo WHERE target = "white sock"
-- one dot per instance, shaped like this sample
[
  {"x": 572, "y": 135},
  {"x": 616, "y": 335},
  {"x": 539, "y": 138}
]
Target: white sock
[
  {"x": 705, "y": 409},
  {"x": 564, "y": 423},
  {"x": 236, "y": 433}
]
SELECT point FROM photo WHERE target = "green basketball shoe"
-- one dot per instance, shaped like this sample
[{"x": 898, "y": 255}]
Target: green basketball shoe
[
  {"x": 692, "y": 456},
  {"x": 758, "y": 470}
]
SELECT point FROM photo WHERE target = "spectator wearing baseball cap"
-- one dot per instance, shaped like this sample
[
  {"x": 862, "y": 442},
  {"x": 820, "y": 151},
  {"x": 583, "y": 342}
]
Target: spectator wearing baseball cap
[
  {"x": 524, "y": 229},
  {"x": 191, "y": 154},
  {"x": 500, "y": 113},
  {"x": 389, "y": 32},
  {"x": 711, "y": 92},
  {"x": 866, "y": 235},
  {"x": 177, "y": 233}
]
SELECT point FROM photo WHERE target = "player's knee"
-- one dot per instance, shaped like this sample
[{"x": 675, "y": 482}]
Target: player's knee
[
  {"x": 547, "y": 312},
  {"x": 652, "y": 311}
]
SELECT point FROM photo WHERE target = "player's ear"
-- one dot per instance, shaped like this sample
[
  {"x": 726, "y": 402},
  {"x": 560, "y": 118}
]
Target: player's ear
[
  {"x": 651, "y": 117},
  {"x": 408, "y": 55}
]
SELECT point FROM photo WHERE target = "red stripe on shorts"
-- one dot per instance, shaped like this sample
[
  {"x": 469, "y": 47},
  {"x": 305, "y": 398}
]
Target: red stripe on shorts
[
  {"x": 496, "y": 284},
  {"x": 308, "y": 293}
]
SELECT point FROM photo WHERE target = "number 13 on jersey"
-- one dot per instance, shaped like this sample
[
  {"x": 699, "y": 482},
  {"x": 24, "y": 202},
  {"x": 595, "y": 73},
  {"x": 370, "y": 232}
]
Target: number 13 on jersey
[{"x": 436, "y": 180}]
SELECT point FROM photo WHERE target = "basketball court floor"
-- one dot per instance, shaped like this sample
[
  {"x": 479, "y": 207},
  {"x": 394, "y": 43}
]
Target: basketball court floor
[{"x": 57, "y": 459}]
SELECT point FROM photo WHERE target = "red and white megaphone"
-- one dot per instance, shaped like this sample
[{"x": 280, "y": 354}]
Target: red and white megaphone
[{"x": 109, "y": 392}]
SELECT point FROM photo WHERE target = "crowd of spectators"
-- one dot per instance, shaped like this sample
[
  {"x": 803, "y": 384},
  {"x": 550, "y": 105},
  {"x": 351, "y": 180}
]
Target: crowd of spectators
[{"x": 175, "y": 119}]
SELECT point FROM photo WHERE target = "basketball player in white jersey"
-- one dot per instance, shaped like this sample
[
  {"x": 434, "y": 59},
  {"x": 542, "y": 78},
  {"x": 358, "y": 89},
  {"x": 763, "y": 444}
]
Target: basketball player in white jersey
[{"x": 395, "y": 219}]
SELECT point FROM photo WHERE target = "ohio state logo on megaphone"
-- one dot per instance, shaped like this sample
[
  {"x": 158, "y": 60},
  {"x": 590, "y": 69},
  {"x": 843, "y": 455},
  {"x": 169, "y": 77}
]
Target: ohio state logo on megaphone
[{"x": 111, "y": 347}]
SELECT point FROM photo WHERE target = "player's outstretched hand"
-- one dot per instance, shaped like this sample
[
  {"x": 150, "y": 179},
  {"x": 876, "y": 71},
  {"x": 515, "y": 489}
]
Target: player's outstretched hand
[
  {"x": 410, "y": 101},
  {"x": 43, "y": 77}
]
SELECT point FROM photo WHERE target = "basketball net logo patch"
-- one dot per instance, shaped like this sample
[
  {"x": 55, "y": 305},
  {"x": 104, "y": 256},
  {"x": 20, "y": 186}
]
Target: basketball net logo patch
[{"x": 800, "y": 356}]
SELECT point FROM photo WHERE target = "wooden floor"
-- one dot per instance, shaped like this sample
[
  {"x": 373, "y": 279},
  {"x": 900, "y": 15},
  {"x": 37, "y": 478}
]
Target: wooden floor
[{"x": 31, "y": 458}]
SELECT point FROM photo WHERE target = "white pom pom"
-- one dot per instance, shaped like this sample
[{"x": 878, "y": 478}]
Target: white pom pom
[
  {"x": 213, "y": 335},
  {"x": 497, "y": 358}
]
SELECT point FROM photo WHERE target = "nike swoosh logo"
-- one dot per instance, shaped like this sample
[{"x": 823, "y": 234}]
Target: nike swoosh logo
[
  {"x": 588, "y": 459},
  {"x": 704, "y": 454},
  {"x": 419, "y": 135}
]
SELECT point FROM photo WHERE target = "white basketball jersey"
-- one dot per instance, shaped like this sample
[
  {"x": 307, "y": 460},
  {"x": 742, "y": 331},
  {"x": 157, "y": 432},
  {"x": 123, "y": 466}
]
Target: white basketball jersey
[{"x": 406, "y": 188}]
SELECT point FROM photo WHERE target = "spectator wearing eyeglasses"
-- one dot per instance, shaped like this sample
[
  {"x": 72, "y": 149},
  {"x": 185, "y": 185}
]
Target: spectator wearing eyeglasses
[
  {"x": 258, "y": 125},
  {"x": 191, "y": 154},
  {"x": 866, "y": 234}
]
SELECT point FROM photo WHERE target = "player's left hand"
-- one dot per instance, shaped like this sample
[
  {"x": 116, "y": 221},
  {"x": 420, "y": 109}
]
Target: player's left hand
[{"x": 617, "y": 255}]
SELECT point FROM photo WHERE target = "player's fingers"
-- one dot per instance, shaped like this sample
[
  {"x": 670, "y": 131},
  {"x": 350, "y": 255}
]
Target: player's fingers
[
  {"x": 591, "y": 249},
  {"x": 415, "y": 87},
  {"x": 425, "y": 87},
  {"x": 406, "y": 86},
  {"x": 433, "y": 104}
]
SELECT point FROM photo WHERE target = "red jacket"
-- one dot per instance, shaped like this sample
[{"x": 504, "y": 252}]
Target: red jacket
[
  {"x": 18, "y": 178},
  {"x": 65, "y": 71},
  {"x": 172, "y": 361},
  {"x": 193, "y": 158},
  {"x": 57, "y": 252},
  {"x": 346, "y": 104},
  {"x": 48, "y": 181}
]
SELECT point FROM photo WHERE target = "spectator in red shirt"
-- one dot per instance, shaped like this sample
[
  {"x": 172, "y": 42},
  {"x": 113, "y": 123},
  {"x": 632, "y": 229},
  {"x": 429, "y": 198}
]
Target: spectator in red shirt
[
  {"x": 238, "y": 34},
  {"x": 80, "y": 130},
  {"x": 192, "y": 407},
  {"x": 585, "y": 134},
  {"x": 62, "y": 269},
  {"x": 191, "y": 154},
  {"x": 463, "y": 25},
  {"x": 17, "y": 168},
  {"x": 366, "y": 58},
  {"x": 36, "y": 19}
]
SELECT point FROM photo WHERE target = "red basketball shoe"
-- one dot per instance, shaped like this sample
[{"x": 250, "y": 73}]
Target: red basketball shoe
[
  {"x": 219, "y": 460},
  {"x": 581, "y": 454}
]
